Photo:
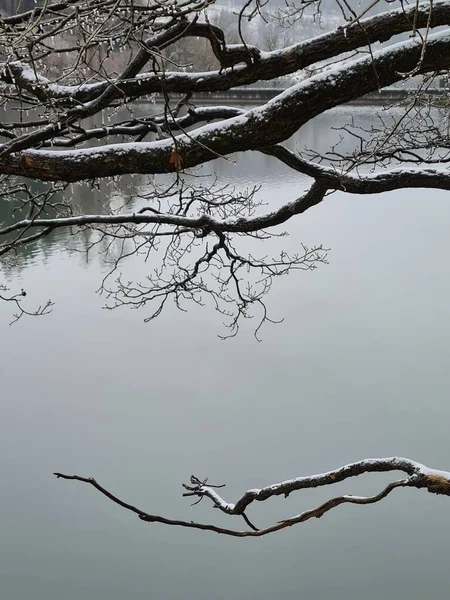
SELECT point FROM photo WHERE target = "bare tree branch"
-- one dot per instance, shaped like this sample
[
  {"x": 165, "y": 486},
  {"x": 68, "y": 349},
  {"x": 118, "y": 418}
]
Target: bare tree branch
[
  {"x": 21, "y": 311},
  {"x": 418, "y": 476},
  {"x": 280, "y": 117},
  {"x": 269, "y": 65},
  {"x": 77, "y": 85}
]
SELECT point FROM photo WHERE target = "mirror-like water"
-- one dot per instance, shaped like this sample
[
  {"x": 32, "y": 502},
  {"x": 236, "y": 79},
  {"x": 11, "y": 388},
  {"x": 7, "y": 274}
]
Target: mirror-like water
[{"x": 358, "y": 368}]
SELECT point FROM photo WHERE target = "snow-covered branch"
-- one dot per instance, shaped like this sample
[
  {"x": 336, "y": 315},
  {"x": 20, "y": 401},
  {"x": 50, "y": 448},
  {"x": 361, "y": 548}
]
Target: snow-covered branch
[
  {"x": 205, "y": 223},
  {"x": 327, "y": 179},
  {"x": 371, "y": 183},
  {"x": 416, "y": 476},
  {"x": 263, "y": 66},
  {"x": 71, "y": 74},
  {"x": 258, "y": 128}
]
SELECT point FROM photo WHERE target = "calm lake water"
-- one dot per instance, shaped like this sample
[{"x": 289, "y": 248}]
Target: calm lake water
[{"x": 359, "y": 368}]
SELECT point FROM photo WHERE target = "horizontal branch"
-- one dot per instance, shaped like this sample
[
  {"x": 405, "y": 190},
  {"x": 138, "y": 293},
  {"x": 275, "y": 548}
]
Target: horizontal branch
[
  {"x": 141, "y": 127},
  {"x": 418, "y": 476},
  {"x": 204, "y": 223},
  {"x": 372, "y": 183},
  {"x": 37, "y": 11},
  {"x": 326, "y": 179},
  {"x": 285, "y": 488}
]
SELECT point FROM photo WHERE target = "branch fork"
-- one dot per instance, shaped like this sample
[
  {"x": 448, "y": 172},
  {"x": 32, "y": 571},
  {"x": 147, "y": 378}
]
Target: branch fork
[{"x": 417, "y": 476}]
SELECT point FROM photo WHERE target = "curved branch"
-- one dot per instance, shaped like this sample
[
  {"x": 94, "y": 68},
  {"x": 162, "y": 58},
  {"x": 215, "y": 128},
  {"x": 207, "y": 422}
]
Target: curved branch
[
  {"x": 204, "y": 223},
  {"x": 326, "y": 179},
  {"x": 285, "y": 488},
  {"x": 419, "y": 476},
  {"x": 373, "y": 183},
  {"x": 17, "y": 300}
]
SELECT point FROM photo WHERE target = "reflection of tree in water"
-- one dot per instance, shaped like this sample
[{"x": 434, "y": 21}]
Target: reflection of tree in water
[
  {"x": 100, "y": 197},
  {"x": 107, "y": 195},
  {"x": 336, "y": 138},
  {"x": 97, "y": 197},
  {"x": 13, "y": 209}
]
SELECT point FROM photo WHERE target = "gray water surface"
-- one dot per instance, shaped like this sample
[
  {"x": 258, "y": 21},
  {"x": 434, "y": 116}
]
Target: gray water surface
[{"x": 359, "y": 368}]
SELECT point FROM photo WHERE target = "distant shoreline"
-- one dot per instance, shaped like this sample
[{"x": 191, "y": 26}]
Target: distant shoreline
[{"x": 257, "y": 95}]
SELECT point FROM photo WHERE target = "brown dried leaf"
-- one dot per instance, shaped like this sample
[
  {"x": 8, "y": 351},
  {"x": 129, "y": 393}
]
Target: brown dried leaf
[{"x": 176, "y": 159}]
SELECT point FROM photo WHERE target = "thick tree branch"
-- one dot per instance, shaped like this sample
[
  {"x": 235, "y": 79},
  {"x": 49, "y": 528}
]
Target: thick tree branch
[
  {"x": 258, "y": 128},
  {"x": 327, "y": 179},
  {"x": 268, "y": 65},
  {"x": 196, "y": 228}
]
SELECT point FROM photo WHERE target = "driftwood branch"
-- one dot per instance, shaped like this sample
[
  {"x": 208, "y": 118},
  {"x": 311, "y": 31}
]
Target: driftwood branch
[{"x": 417, "y": 476}]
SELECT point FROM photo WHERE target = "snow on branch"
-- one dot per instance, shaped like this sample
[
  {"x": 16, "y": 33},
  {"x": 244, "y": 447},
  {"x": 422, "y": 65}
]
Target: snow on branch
[
  {"x": 258, "y": 128},
  {"x": 416, "y": 476},
  {"x": 205, "y": 223},
  {"x": 71, "y": 73},
  {"x": 263, "y": 66},
  {"x": 326, "y": 179},
  {"x": 201, "y": 259}
]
